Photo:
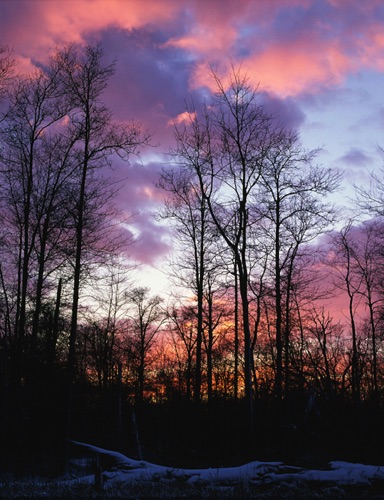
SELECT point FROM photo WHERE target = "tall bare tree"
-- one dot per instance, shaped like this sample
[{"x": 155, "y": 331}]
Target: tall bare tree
[
  {"x": 367, "y": 265},
  {"x": 30, "y": 181},
  {"x": 291, "y": 203},
  {"x": 84, "y": 77},
  {"x": 342, "y": 262},
  {"x": 196, "y": 265},
  {"x": 186, "y": 207},
  {"x": 225, "y": 148}
]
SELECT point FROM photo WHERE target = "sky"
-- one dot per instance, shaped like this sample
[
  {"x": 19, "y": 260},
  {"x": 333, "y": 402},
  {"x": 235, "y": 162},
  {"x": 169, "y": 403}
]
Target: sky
[{"x": 319, "y": 65}]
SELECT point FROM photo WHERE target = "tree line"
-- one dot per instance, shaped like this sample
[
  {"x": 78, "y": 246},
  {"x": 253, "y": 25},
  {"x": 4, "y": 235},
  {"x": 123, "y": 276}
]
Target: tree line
[{"x": 257, "y": 267}]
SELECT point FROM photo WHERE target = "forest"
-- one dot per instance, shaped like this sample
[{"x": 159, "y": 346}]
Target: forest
[{"x": 270, "y": 342}]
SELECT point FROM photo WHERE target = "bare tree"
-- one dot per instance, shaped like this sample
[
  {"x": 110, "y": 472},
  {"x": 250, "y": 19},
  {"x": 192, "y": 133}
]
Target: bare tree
[
  {"x": 343, "y": 263},
  {"x": 84, "y": 77},
  {"x": 216, "y": 311},
  {"x": 186, "y": 206},
  {"x": 30, "y": 181},
  {"x": 225, "y": 149},
  {"x": 249, "y": 169},
  {"x": 323, "y": 356},
  {"x": 182, "y": 323},
  {"x": 367, "y": 264},
  {"x": 145, "y": 322},
  {"x": 290, "y": 201},
  {"x": 371, "y": 200},
  {"x": 109, "y": 305}
]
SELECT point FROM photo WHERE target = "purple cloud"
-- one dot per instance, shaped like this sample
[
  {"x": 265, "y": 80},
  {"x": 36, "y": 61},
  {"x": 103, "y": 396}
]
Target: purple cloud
[{"x": 356, "y": 157}]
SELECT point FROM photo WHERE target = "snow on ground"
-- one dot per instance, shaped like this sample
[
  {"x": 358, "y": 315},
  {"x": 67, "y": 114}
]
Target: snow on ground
[{"x": 122, "y": 468}]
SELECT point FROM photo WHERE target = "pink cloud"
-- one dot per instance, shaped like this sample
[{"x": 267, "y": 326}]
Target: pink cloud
[
  {"x": 306, "y": 63},
  {"x": 306, "y": 69},
  {"x": 288, "y": 46},
  {"x": 305, "y": 47},
  {"x": 64, "y": 21},
  {"x": 184, "y": 117},
  {"x": 206, "y": 39},
  {"x": 216, "y": 24}
]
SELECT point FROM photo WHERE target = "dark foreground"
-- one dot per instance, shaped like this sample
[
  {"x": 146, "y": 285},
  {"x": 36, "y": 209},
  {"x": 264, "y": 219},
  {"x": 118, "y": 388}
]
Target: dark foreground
[{"x": 155, "y": 490}]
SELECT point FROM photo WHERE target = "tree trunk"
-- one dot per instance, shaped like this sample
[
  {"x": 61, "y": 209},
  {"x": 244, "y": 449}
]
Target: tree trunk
[{"x": 236, "y": 353}]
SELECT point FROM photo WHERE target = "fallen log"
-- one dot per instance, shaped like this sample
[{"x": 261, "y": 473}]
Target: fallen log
[{"x": 117, "y": 467}]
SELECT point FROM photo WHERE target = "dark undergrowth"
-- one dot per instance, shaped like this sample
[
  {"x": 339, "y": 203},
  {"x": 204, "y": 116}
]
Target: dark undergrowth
[{"x": 149, "y": 489}]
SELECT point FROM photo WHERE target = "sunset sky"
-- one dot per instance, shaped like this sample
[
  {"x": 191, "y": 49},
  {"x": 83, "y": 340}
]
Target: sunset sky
[{"x": 318, "y": 63}]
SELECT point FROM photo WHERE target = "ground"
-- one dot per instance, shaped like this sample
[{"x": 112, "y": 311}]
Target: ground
[{"x": 117, "y": 476}]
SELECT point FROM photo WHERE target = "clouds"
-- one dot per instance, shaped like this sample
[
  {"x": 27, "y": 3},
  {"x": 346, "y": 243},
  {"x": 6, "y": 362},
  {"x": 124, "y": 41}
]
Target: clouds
[
  {"x": 61, "y": 21},
  {"x": 301, "y": 53},
  {"x": 150, "y": 83},
  {"x": 138, "y": 200},
  {"x": 288, "y": 46},
  {"x": 315, "y": 45},
  {"x": 356, "y": 156}
]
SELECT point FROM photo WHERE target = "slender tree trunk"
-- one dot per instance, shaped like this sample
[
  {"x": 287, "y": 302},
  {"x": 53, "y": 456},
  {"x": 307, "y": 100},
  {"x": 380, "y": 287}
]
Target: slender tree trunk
[
  {"x": 236, "y": 353},
  {"x": 287, "y": 328},
  {"x": 7, "y": 320},
  {"x": 38, "y": 299},
  {"x": 199, "y": 336},
  {"x": 210, "y": 347},
  {"x": 188, "y": 376},
  {"x": 279, "y": 343},
  {"x": 200, "y": 279},
  {"x": 55, "y": 326},
  {"x": 243, "y": 282},
  {"x": 254, "y": 341},
  {"x": 24, "y": 268},
  {"x": 374, "y": 347},
  {"x": 355, "y": 356},
  {"x": 141, "y": 376},
  {"x": 77, "y": 276},
  {"x": 119, "y": 409}
]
